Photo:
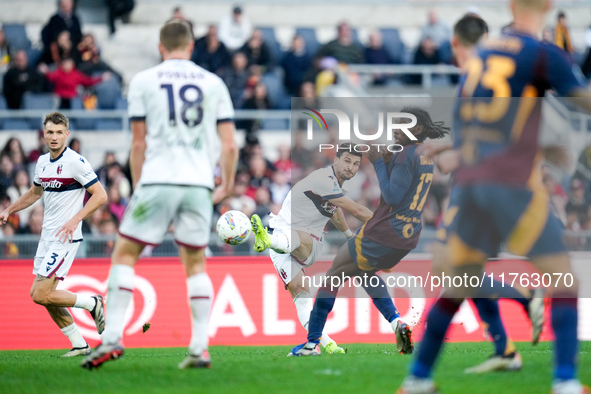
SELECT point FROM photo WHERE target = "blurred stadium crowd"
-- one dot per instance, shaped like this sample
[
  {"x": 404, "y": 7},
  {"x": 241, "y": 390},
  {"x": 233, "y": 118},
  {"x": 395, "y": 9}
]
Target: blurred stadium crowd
[{"x": 252, "y": 64}]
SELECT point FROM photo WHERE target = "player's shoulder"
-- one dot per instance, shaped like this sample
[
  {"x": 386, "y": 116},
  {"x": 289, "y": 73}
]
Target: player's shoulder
[
  {"x": 73, "y": 156},
  {"x": 323, "y": 173}
]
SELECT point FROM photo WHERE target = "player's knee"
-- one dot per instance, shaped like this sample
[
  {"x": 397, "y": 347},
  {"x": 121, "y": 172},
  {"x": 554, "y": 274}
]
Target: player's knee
[{"x": 40, "y": 297}]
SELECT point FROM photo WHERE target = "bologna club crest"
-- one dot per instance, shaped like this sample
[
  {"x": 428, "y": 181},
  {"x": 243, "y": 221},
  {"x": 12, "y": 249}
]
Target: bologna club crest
[{"x": 59, "y": 169}]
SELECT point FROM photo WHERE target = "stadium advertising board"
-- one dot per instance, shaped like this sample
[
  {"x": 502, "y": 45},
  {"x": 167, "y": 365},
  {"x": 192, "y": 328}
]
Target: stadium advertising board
[{"x": 250, "y": 308}]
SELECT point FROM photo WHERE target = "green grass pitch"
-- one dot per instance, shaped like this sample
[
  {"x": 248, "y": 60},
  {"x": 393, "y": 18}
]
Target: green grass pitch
[{"x": 365, "y": 368}]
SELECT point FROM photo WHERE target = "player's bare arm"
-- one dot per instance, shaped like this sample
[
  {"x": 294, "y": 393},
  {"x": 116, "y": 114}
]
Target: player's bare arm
[
  {"x": 97, "y": 198},
  {"x": 228, "y": 161},
  {"x": 339, "y": 221},
  {"x": 138, "y": 150},
  {"x": 26, "y": 200},
  {"x": 360, "y": 212}
]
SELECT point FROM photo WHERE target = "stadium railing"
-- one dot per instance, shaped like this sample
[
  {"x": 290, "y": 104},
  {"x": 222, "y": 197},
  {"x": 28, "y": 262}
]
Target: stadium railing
[
  {"x": 34, "y": 117},
  {"x": 426, "y": 71}
]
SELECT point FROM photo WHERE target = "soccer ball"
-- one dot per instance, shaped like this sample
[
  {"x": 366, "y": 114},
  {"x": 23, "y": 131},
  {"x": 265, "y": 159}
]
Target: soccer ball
[{"x": 233, "y": 227}]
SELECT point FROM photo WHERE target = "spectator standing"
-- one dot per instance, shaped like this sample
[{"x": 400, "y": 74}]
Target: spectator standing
[
  {"x": 376, "y": 53},
  {"x": 295, "y": 64},
  {"x": 64, "y": 19},
  {"x": 210, "y": 53},
  {"x": 257, "y": 51},
  {"x": 343, "y": 48},
  {"x": 21, "y": 78},
  {"x": 436, "y": 30},
  {"x": 118, "y": 9},
  {"x": 562, "y": 34},
  {"x": 234, "y": 30},
  {"x": 236, "y": 78}
]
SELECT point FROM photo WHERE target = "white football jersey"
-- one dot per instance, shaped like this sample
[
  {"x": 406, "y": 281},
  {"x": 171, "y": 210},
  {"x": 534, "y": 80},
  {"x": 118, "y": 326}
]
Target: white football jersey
[
  {"x": 64, "y": 182},
  {"x": 307, "y": 206},
  {"x": 182, "y": 104}
]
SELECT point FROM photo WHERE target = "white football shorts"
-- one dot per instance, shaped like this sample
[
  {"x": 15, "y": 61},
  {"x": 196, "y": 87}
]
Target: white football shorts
[
  {"x": 54, "y": 258},
  {"x": 154, "y": 207}
]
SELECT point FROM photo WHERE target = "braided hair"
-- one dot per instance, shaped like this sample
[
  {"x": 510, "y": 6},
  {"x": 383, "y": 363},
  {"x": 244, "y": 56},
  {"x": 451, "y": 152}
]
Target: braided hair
[{"x": 432, "y": 130}]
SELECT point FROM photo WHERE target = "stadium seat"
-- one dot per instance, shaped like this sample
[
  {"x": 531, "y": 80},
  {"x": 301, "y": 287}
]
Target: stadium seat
[
  {"x": 393, "y": 43},
  {"x": 34, "y": 55},
  {"x": 108, "y": 124},
  {"x": 308, "y": 34},
  {"x": 121, "y": 103},
  {"x": 16, "y": 124},
  {"x": 275, "y": 124},
  {"x": 45, "y": 101},
  {"x": 271, "y": 41},
  {"x": 355, "y": 36},
  {"x": 107, "y": 94},
  {"x": 81, "y": 123},
  {"x": 445, "y": 53},
  {"x": 276, "y": 91},
  {"x": 16, "y": 35}
]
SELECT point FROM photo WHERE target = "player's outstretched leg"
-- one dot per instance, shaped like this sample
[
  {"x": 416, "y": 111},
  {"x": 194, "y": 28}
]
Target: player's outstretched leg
[
  {"x": 262, "y": 238},
  {"x": 102, "y": 354}
]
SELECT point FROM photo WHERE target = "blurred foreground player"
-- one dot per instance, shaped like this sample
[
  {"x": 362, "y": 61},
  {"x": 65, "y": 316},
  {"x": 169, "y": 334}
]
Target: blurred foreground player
[
  {"x": 468, "y": 31},
  {"x": 392, "y": 232},
  {"x": 62, "y": 176},
  {"x": 298, "y": 229},
  {"x": 498, "y": 184},
  {"x": 179, "y": 114}
]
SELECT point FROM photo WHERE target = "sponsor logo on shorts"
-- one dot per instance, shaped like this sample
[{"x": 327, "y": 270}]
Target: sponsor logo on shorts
[{"x": 283, "y": 273}]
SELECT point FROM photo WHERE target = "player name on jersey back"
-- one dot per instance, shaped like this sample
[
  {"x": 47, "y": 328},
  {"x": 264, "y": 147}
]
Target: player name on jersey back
[{"x": 181, "y": 104}]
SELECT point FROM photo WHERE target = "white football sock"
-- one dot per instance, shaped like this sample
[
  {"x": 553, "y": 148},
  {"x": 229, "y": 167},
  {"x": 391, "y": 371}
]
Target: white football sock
[
  {"x": 74, "y": 335},
  {"x": 394, "y": 323},
  {"x": 304, "y": 304},
  {"x": 85, "y": 302},
  {"x": 200, "y": 293},
  {"x": 284, "y": 242},
  {"x": 118, "y": 298},
  {"x": 280, "y": 243}
]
